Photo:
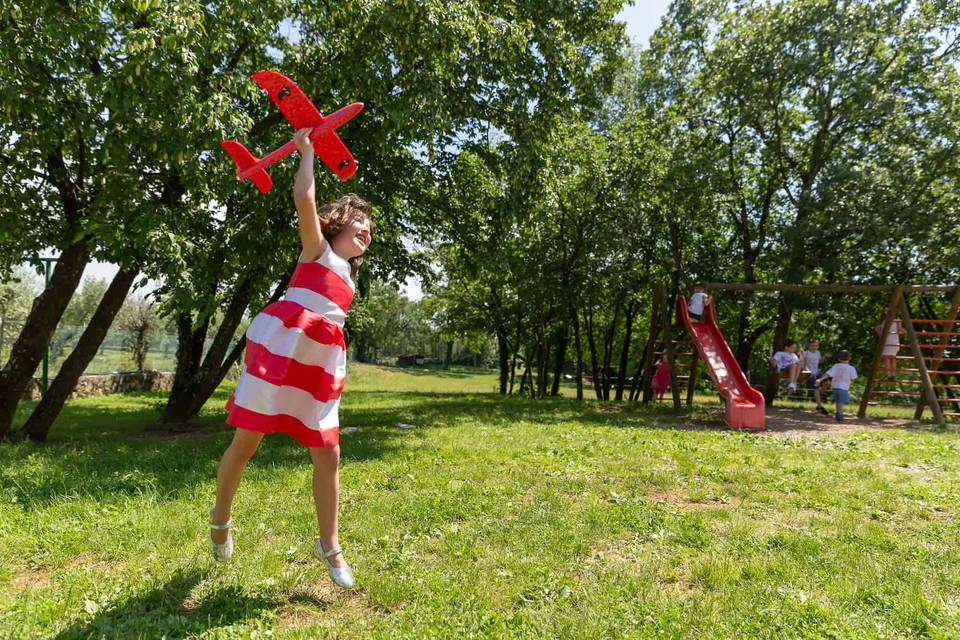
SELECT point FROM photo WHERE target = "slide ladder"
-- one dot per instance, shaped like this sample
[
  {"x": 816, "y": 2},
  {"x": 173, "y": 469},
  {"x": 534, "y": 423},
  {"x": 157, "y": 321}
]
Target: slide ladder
[{"x": 745, "y": 405}]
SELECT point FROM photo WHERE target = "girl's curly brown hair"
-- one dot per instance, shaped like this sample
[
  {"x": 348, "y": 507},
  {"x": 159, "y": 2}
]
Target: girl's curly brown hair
[{"x": 334, "y": 216}]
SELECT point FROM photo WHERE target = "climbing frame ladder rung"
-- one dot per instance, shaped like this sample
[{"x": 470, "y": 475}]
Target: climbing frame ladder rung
[
  {"x": 935, "y": 386},
  {"x": 898, "y": 394}
]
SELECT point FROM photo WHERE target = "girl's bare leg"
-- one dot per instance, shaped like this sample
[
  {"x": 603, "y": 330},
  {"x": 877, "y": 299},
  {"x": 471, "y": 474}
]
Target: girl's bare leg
[
  {"x": 326, "y": 497},
  {"x": 228, "y": 477}
]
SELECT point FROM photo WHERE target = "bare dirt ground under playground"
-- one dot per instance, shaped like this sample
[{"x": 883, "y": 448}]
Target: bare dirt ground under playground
[
  {"x": 797, "y": 423},
  {"x": 802, "y": 422}
]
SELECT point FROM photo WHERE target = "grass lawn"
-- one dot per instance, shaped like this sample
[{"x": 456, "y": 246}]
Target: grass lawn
[{"x": 492, "y": 517}]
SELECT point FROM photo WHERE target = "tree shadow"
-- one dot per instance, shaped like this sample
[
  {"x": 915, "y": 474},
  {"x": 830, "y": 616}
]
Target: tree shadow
[
  {"x": 376, "y": 424},
  {"x": 169, "y": 611}
]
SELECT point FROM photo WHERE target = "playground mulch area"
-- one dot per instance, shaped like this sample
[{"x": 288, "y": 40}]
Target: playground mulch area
[{"x": 789, "y": 422}]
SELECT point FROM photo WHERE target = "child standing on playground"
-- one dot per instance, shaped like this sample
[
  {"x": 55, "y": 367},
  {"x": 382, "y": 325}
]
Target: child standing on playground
[
  {"x": 840, "y": 375},
  {"x": 788, "y": 360},
  {"x": 891, "y": 347},
  {"x": 811, "y": 362},
  {"x": 295, "y": 362},
  {"x": 661, "y": 378},
  {"x": 698, "y": 300}
]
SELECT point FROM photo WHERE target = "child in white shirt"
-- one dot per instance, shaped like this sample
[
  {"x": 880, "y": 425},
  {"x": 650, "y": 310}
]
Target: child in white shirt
[
  {"x": 788, "y": 360},
  {"x": 697, "y": 301},
  {"x": 841, "y": 375},
  {"x": 811, "y": 362}
]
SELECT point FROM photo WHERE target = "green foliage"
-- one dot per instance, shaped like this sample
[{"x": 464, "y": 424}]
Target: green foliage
[
  {"x": 138, "y": 319},
  {"x": 16, "y": 296},
  {"x": 84, "y": 302}
]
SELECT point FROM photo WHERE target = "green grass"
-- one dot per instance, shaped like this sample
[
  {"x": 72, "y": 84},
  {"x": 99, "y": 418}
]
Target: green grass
[{"x": 493, "y": 517}]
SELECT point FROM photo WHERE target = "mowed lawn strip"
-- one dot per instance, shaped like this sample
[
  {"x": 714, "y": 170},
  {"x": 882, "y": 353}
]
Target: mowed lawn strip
[{"x": 488, "y": 517}]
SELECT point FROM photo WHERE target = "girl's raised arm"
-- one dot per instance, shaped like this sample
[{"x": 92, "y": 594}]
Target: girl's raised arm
[{"x": 304, "y": 197}]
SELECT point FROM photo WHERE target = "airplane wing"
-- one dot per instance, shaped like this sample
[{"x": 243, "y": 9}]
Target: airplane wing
[
  {"x": 299, "y": 111},
  {"x": 335, "y": 155},
  {"x": 290, "y": 100}
]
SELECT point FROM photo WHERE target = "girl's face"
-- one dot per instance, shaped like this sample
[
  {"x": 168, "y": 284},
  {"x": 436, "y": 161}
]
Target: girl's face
[{"x": 353, "y": 239}]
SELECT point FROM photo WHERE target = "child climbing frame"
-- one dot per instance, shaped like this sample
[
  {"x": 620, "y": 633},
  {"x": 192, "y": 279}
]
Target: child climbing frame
[{"x": 934, "y": 347}]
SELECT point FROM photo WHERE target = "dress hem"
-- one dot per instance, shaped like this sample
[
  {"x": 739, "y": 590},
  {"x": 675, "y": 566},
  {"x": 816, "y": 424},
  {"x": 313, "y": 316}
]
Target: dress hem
[{"x": 241, "y": 418}]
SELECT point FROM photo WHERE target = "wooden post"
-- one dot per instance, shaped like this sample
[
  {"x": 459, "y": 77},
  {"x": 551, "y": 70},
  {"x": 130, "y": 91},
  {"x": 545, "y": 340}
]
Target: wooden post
[
  {"x": 944, "y": 340},
  {"x": 878, "y": 355},
  {"x": 692, "y": 380},
  {"x": 670, "y": 351},
  {"x": 650, "y": 361}
]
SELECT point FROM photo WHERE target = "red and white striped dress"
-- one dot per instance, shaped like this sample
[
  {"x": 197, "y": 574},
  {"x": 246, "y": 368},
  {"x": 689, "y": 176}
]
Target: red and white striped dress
[{"x": 296, "y": 361}]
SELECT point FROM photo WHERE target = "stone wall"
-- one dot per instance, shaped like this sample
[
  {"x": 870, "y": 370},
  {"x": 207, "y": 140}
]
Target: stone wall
[{"x": 117, "y": 382}]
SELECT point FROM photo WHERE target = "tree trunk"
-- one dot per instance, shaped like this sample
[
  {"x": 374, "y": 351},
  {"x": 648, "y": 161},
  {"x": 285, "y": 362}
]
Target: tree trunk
[
  {"x": 188, "y": 397},
  {"x": 608, "y": 351},
  {"x": 526, "y": 372},
  {"x": 38, "y": 425},
  {"x": 638, "y": 377},
  {"x": 28, "y": 349},
  {"x": 516, "y": 354},
  {"x": 578, "y": 347},
  {"x": 561, "y": 360},
  {"x": 503, "y": 356},
  {"x": 591, "y": 342},
  {"x": 448, "y": 358},
  {"x": 744, "y": 346},
  {"x": 543, "y": 368},
  {"x": 780, "y": 334},
  {"x": 625, "y": 352}
]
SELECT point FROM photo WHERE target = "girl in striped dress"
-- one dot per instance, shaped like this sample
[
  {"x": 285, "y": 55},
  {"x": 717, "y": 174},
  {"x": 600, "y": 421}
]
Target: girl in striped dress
[{"x": 295, "y": 362}]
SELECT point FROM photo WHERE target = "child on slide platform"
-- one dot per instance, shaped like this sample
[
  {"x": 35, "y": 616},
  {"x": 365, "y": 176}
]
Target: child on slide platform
[
  {"x": 295, "y": 362},
  {"x": 698, "y": 300}
]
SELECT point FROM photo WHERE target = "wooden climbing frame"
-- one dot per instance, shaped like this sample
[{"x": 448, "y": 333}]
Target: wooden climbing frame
[{"x": 928, "y": 355}]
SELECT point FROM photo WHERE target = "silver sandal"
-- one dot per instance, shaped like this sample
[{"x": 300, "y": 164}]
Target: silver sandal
[
  {"x": 343, "y": 576},
  {"x": 221, "y": 550}
]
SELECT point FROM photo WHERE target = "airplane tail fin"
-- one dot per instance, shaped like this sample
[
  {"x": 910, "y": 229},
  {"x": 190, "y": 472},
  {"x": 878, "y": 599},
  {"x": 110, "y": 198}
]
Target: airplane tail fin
[{"x": 244, "y": 160}]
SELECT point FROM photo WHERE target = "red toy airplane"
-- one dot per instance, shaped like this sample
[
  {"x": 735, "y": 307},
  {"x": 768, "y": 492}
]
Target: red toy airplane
[{"x": 299, "y": 112}]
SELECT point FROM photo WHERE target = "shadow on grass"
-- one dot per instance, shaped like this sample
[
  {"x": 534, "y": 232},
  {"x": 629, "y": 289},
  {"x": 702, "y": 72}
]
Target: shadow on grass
[
  {"x": 118, "y": 460},
  {"x": 168, "y": 611},
  {"x": 124, "y": 461}
]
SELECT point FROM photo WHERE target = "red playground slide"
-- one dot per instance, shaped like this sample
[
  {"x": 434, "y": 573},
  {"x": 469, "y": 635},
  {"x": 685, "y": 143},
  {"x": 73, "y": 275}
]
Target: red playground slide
[{"x": 745, "y": 406}]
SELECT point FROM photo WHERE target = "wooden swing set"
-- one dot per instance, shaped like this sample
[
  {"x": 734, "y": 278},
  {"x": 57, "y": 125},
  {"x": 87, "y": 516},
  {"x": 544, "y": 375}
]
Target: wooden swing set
[{"x": 934, "y": 347}]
